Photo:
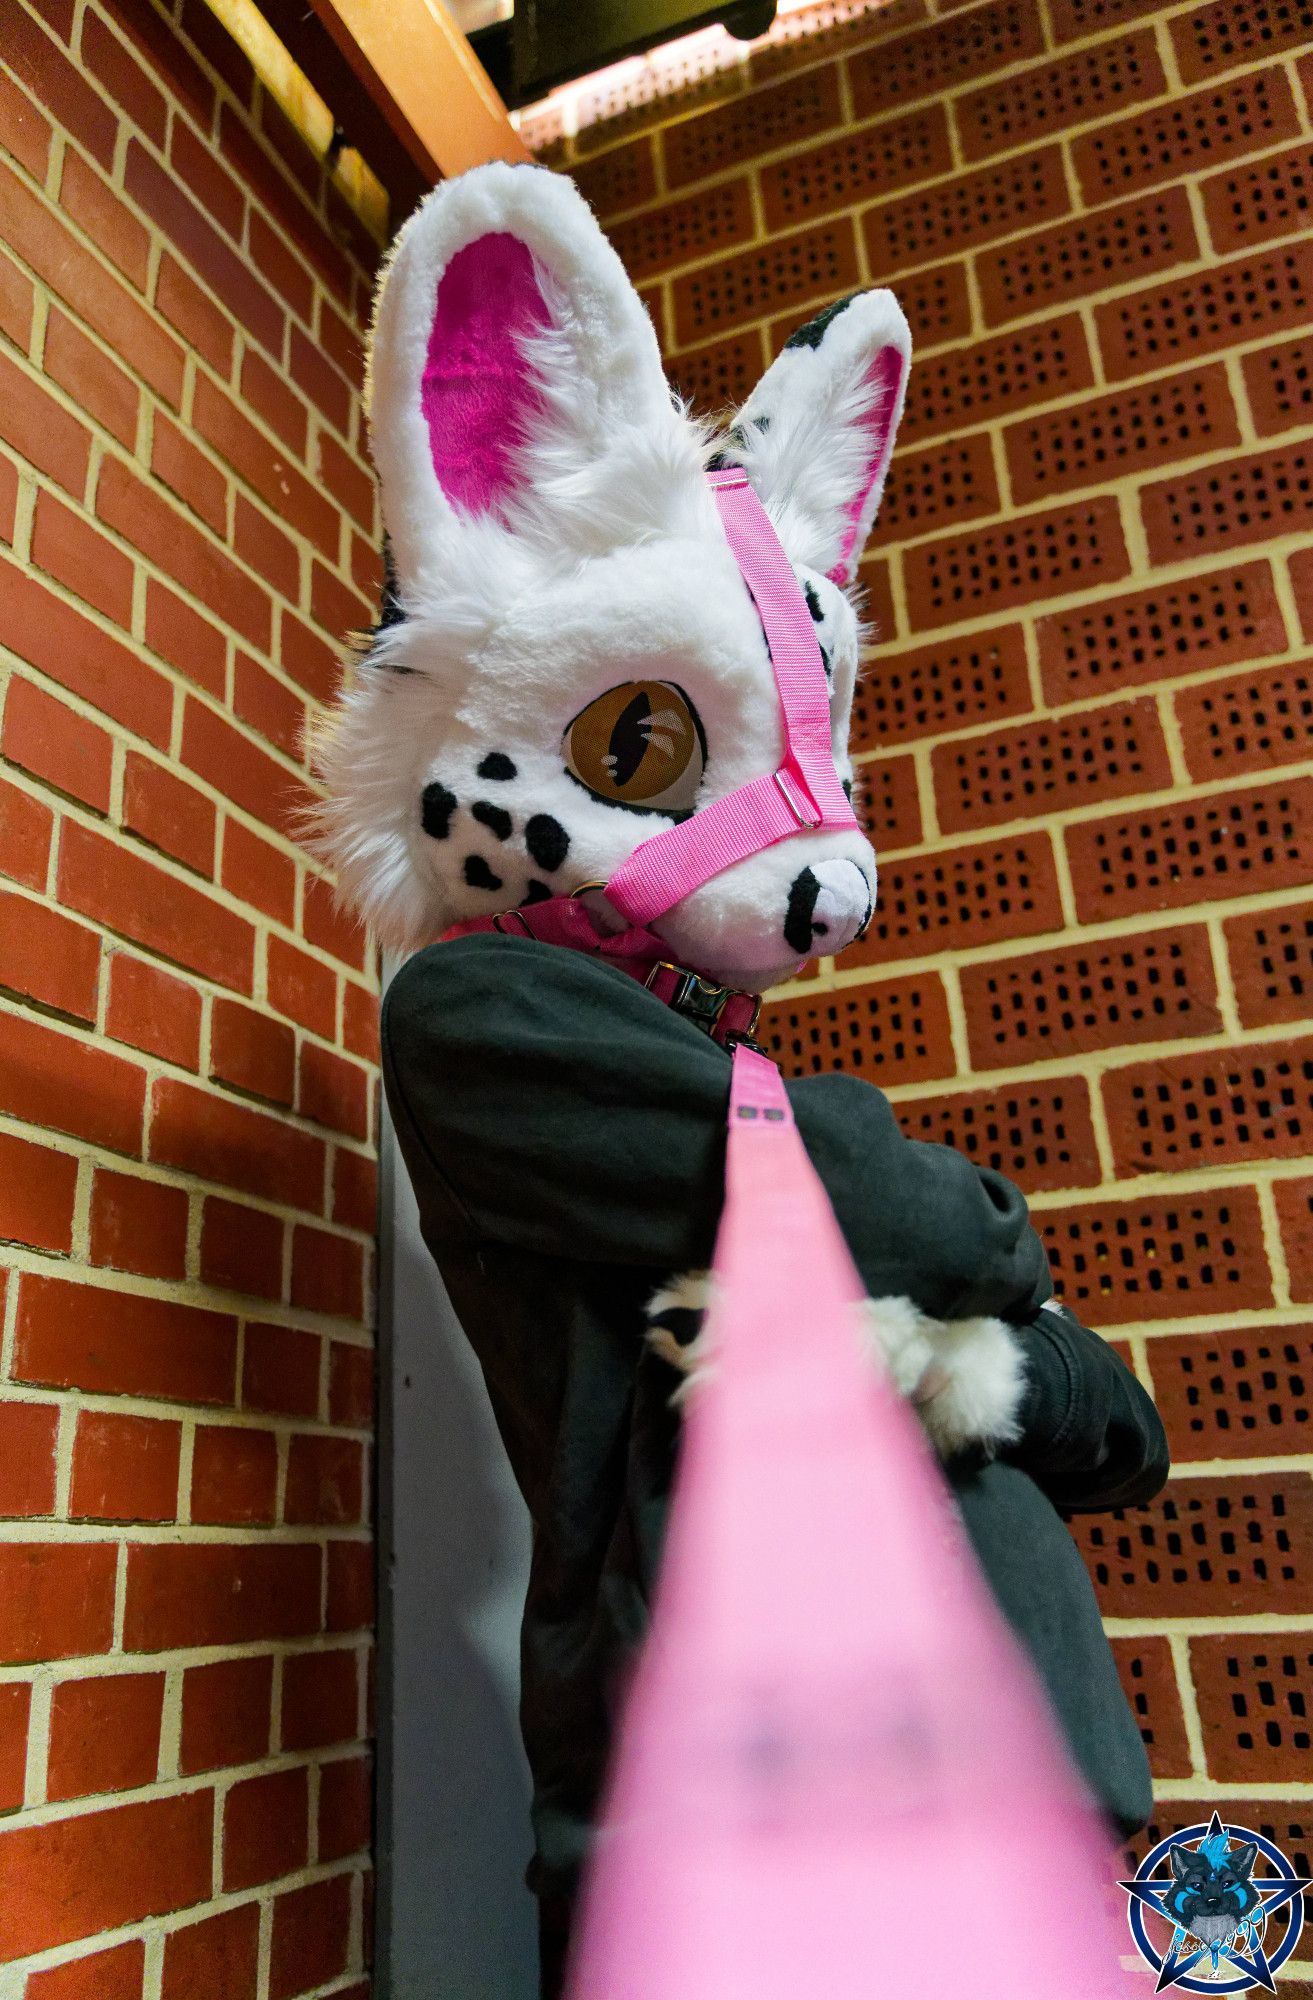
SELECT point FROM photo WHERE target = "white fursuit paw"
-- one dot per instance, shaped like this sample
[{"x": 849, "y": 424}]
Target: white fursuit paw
[
  {"x": 676, "y": 1316},
  {"x": 965, "y": 1377}
]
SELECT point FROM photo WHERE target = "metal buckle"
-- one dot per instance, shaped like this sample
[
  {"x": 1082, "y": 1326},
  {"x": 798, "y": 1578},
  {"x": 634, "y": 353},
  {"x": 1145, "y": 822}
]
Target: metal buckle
[{"x": 699, "y": 1000}]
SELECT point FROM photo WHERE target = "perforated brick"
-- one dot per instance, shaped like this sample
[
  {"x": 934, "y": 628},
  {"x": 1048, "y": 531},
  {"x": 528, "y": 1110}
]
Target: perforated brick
[
  {"x": 1042, "y": 766},
  {"x": 1196, "y": 851},
  {"x": 1090, "y": 254},
  {"x": 677, "y": 232},
  {"x": 973, "y": 895},
  {"x": 1116, "y": 1262},
  {"x": 1263, "y": 199},
  {"x": 1271, "y": 954},
  {"x": 958, "y": 49},
  {"x": 1074, "y": 19},
  {"x": 896, "y": 1030},
  {"x": 937, "y": 303},
  {"x": 1033, "y": 556},
  {"x": 1300, "y": 565},
  {"x": 1249, "y": 721},
  {"x": 1251, "y": 499},
  {"x": 1198, "y": 314},
  {"x": 1279, "y": 382},
  {"x": 1038, "y": 1134},
  {"x": 1155, "y": 986},
  {"x": 1212, "y": 1108},
  {"x": 874, "y": 158},
  {"x": 953, "y": 480},
  {"x": 1294, "y": 1200},
  {"x": 1151, "y": 635},
  {"x": 993, "y": 376},
  {"x": 1148, "y": 1680},
  {"x": 887, "y": 802},
  {"x": 1231, "y": 32},
  {"x": 1204, "y": 1547},
  {"x": 941, "y": 686},
  {"x": 1131, "y": 430},
  {"x": 1253, "y": 1695},
  {"x": 1242, "y": 1392},
  {"x": 1040, "y": 101},
  {"x": 877, "y": 600},
  {"x": 1288, "y": 1826},
  {"x": 720, "y": 374},
  {"x": 1206, "y": 125},
  {"x": 818, "y": 263},
  {"x": 848, "y": 24},
  {"x": 974, "y": 208},
  {"x": 620, "y": 179},
  {"x": 751, "y": 125},
  {"x": 632, "y": 95}
]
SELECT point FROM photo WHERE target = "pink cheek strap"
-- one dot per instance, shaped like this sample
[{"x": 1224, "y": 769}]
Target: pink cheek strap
[{"x": 805, "y": 792}]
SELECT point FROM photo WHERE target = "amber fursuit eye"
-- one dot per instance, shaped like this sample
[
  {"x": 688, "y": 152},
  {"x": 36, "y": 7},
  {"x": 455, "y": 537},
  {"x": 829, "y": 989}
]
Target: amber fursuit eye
[{"x": 639, "y": 744}]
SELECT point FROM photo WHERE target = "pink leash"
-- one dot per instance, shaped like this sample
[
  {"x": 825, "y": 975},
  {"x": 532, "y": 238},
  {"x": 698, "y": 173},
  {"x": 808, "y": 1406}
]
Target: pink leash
[{"x": 837, "y": 1777}]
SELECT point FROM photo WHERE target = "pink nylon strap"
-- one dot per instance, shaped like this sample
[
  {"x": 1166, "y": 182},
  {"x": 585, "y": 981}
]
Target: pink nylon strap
[{"x": 805, "y": 791}]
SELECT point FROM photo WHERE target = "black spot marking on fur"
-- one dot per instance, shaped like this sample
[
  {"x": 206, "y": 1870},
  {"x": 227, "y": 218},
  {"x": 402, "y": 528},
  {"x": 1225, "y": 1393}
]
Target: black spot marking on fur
[
  {"x": 813, "y": 333},
  {"x": 813, "y": 604},
  {"x": 537, "y": 892},
  {"x": 547, "y": 841},
  {"x": 437, "y": 805},
  {"x": 497, "y": 766},
  {"x": 479, "y": 875},
  {"x": 847, "y": 784},
  {"x": 799, "y": 927},
  {"x": 496, "y": 818}
]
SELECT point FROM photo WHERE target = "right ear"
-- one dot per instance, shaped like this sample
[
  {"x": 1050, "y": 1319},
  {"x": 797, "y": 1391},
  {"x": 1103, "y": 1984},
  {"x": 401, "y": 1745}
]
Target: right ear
[{"x": 512, "y": 365}]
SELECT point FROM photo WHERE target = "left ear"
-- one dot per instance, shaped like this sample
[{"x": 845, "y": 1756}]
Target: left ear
[{"x": 816, "y": 433}]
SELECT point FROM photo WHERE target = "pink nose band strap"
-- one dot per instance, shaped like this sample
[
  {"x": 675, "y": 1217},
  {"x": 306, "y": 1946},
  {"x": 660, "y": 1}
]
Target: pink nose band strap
[{"x": 805, "y": 791}]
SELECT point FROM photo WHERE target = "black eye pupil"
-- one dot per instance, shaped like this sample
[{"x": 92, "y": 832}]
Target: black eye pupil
[{"x": 629, "y": 745}]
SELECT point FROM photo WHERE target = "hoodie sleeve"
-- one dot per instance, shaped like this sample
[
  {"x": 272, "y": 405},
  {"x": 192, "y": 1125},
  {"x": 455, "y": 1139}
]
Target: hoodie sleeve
[{"x": 1090, "y": 1435}]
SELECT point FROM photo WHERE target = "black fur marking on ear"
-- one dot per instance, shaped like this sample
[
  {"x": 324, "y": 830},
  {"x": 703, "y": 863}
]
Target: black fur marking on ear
[
  {"x": 547, "y": 841},
  {"x": 847, "y": 784},
  {"x": 495, "y": 818},
  {"x": 437, "y": 805},
  {"x": 479, "y": 875},
  {"x": 497, "y": 766},
  {"x": 537, "y": 892},
  {"x": 814, "y": 604},
  {"x": 813, "y": 333}
]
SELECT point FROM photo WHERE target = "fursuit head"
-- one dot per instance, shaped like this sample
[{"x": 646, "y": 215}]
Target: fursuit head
[{"x": 567, "y": 659}]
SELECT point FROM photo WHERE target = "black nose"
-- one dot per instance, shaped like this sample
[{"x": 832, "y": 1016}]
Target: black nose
[{"x": 844, "y": 896}]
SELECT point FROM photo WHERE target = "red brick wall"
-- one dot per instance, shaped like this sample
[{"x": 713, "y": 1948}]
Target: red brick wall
[
  {"x": 1085, "y": 729},
  {"x": 187, "y": 1032}
]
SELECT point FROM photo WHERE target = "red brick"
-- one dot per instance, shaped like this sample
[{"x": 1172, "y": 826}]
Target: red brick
[
  {"x": 257, "y": 873},
  {"x": 8, "y": 500},
  {"x": 150, "y": 1009},
  {"x": 1191, "y": 131},
  {"x": 280, "y": 1370},
  {"x": 28, "y": 1432},
  {"x": 312, "y": 663},
  {"x": 320, "y": 1700},
  {"x": 342, "y": 344},
  {"x": 188, "y": 473},
  {"x": 334, "y": 606},
  {"x": 124, "y": 1468},
  {"x": 48, "y": 959},
  {"x": 957, "y": 49},
  {"x": 186, "y": 553},
  {"x": 1294, "y": 1201},
  {"x": 241, "y": 770},
  {"x": 98, "y": 385},
  {"x": 1045, "y": 99},
  {"x": 327, "y": 390},
  {"x": 284, "y": 273},
  {"x": 94, "y": 1872},
  {"x": 138, "y": 1225},
  {"x": 202, "y": 324},
  {"x": 157, "y": 41},
  {"x": 1252, "y": 499},
  {"x": 103, "y": 1975},
  {"x": 345, "y": 1808},
  {"x": 1030, "y": 557},
  {"x": 893, "y": 1028},
  {"x": 1148, "y": 1679},
  {"x": 1158, "y": 1257},
  {"x": 1042, "y": 767},
  {"x": 1271, "y": 954},
  {"x": 219, "y": 48},
  {"x": 41, "y": 430},
  {"x": 269, "y": 705},
  {"x": 1300, "y": 564},
  {"x": 218, "y": 1956},
  {"x": 55, "y": 743},
  {"x": 1259, "y": 293},
  {"x": 1261, "y": 199},
  {"x": 817, "y": 264},
  {"x": 1214, "y": 845},
  {"x": 271, "y": 553},
  {"x": 350, "y": 1586},
  {"x": 226, "y": 1710},
  {"x": 973, "y": 894},
  {"x": 273, "y": 400},
  {"x": 1249, "y": 721},
  {"x": 1210, "y": 1107},
  {"x": 360, "y": 1021},
  {"x": 325, "y": 1480},
  {"x": 266, "y": 1828},
  {"x": 23, "y": 130},
  {"x": 252, "y": 1052},
  {"x": 751, "y": 124},
  {"x": 133, "y": 897},
  {"x": 15, "y": 1701},
  {"x": 311, "y": 1936},
  {"x": 302, "y": 987},
  {"x": 104, "y": 1734},
  {"x": 99, "y": 212},
  {"x": 186, "y": 640},
  {"x": 952, "y": 479},
  {"x": 969, "y": 210},
  {"x": 1039, "y": 1133},
  {"x": 108, "y": 306},
  {"x": 48, "y": 1078},
  {"x": 75, "y": 1336},
  {"x": 1131, "y": 430},
  {"x": 54, "y": 637},
  {"x": 223, "y": 1595},
  {"x": 77, "y": 555},
  {"x": 327, "y": 1272},
  {"x": 1086, "y": 254},
  {"x": 58, "y": 1599},
  {"x": 265, "y": 466},
  {"x": 17, "y": 297},
  {"x": 53, "y": 80},
  {"x": 1156, "y": 634},
  {"x": 348, "y": 482},
  {"x": 1279, "y": 384},
  {"x": 196, "y": 164},
  {"x": 119, "y": 73},
  {"x": 1234, "y": 1393},
  {"x": 241, "y": 1249},
  {"x": 168, "y": 813},
  {"x": 191, "y": 233},
  {"x": 235, "y": 1145},
  {"x": 234, "y": 1475},
  {"x": 1252, "y": 1696},
  {"x": 333, "y": 1091},
  {"x": 240, "y": 147},
  {"x": 351, "y": 1385},
  {"x": 366, "y": 567}
]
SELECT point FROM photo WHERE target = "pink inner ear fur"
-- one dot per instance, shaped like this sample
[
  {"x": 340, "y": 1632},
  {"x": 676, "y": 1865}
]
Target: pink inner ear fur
[
  {"x": 477, "y": 390},
  {"x": 886, "y": 372}
]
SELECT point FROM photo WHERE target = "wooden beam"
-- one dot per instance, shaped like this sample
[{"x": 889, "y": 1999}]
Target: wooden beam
[{"x": 421, "y": 74}]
